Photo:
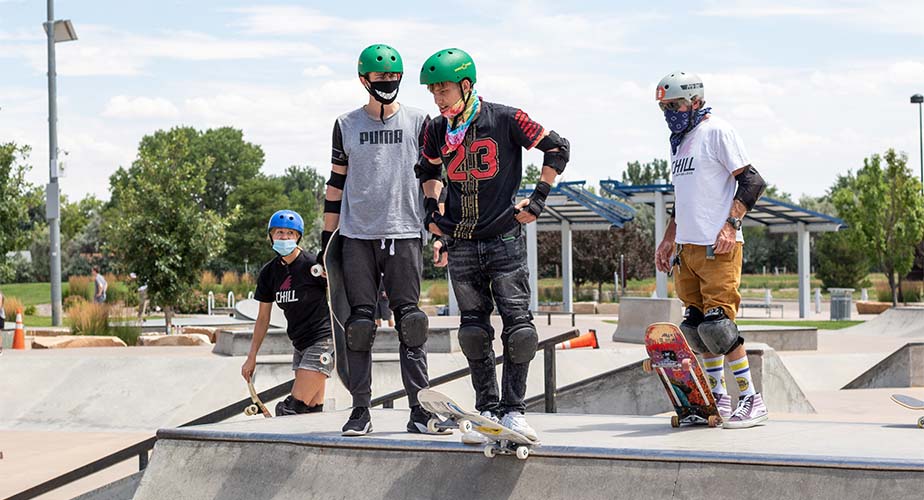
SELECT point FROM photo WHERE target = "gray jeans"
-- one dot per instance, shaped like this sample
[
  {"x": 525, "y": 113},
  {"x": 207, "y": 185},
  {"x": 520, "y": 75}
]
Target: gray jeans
[{"x": 484, "y": 273}]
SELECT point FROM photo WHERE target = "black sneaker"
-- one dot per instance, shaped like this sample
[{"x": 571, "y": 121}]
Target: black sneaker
[
  {"x": 417, "y": 424},
  {"x": 359, "y": 423},
  {"x": 284, "y": 407}
]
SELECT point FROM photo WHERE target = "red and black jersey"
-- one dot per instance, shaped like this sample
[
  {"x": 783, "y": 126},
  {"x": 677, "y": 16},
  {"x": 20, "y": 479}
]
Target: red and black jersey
[{"x": 484, "y": 172}]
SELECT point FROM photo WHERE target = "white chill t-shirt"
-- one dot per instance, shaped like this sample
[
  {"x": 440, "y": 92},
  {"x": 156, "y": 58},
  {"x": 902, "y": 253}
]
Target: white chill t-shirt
[{"x": 704, "y": 187}]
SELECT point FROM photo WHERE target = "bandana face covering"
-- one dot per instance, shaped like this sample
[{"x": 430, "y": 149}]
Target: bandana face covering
[
  {"x": 681, "y": 122},
  {"x": 464, "y": 111}
]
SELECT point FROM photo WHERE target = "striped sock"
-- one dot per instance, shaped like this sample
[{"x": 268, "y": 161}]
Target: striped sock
[
  {"x": 742, "y": 371},
  {"x": 715, "y": 372}
]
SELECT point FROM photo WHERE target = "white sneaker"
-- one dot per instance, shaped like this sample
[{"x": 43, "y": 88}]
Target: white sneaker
[
  {"x": 517, "y": 421},
  {"x": 475, "y": 437}
]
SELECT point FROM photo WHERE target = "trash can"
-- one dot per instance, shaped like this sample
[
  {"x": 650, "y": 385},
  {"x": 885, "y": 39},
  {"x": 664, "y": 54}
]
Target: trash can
[{"x": 841, "y": 303}]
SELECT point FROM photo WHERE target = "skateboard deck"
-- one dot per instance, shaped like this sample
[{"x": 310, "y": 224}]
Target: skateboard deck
[
  {"x": 504, "y": 441},
  {"x": 339, "y": 305},
  {"x": 257, "y": 406},
  {"x": 671, "y": 357},
  {"x": 910, "y": 403}
]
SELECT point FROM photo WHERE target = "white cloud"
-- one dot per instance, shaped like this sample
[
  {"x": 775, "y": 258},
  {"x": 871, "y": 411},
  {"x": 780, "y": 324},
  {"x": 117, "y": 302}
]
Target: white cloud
[
  {"x": 318, "y": 71},
  {"x": 122, "y": 106}
]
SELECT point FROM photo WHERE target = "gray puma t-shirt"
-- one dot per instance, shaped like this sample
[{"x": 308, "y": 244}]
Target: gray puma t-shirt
[{"x": 382, "y": 197}]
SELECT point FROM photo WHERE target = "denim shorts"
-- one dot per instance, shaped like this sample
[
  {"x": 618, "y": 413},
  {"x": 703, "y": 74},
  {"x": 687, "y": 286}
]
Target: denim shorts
[{"x": 310, "y": 357}]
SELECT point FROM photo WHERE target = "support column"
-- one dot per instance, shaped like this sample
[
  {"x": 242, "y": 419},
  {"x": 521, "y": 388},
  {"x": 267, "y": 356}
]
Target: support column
[
  {"x": 567, "y": 274},
  {"x": 805, "y": 268},
  {"x": 660, "y": 226},
  {"x": 532, "y": 261}
]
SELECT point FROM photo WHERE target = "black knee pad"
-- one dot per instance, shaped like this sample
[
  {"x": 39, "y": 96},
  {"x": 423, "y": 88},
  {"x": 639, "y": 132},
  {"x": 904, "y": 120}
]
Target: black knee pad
[
  {"x": 692, "y": 318},
  {"x": 522, "y": 342},
  {"x": 475, "y": 336},
  {"x": 412, "y": 325},
  {"x": 719, "y": 333},
  {"x": 360, "y": 329}
]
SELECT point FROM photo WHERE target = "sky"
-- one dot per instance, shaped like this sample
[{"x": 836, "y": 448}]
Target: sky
[{"x": 812, "y": 86}]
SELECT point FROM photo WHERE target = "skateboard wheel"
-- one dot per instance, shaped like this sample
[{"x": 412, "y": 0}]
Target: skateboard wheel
[
  {"x": 316, "y": 270},
  {"x": 646, "y": 366},
  {"x": 326, "y": 359},
  {"x": 431, "y": 425},
  {"x": 675, "y": 421},
  {"x": 714, "y": 420},
  {"x": 686, "y": 364},
  {"x": 522, "y": 452},
  {"x": 465, "y": 426},
  {"x": 921, "y": 422},
  {"x": 251, "y": 410},
  {"x": 490, "y": 451}
]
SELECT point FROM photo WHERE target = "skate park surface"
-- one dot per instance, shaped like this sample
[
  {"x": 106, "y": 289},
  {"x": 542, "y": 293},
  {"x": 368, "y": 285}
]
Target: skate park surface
[{"x": 65, "y": 408}]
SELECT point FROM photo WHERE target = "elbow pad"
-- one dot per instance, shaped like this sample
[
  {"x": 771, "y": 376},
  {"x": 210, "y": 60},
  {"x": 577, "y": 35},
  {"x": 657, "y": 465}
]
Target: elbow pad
[
  {"x": 337, "y": 180},
  {"x": 555, "y": 159},
  {"x": 426, "y": 171},
  {"x": 751, "y": 187}
]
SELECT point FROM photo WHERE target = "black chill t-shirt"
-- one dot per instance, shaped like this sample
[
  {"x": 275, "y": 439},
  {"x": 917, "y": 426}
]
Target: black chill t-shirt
[
  {"x": 301, "y": 296},
  {"x": 484, "y": 172}
]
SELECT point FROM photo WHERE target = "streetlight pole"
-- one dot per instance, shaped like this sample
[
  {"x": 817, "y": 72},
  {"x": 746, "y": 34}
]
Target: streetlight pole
[
  {"x": 57, "y": 31},
  {"x": 918, "y": 99}
]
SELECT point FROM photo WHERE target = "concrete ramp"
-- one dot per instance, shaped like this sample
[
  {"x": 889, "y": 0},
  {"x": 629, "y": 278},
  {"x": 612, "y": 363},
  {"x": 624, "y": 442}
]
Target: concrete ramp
[
  {"x": 630, "y": 391},
  {"x": 902, "y": 368},
  {"x": 247, "y": 309},
  {"x": 582, "y": 456},
  {"x": 906, "y": 322}
]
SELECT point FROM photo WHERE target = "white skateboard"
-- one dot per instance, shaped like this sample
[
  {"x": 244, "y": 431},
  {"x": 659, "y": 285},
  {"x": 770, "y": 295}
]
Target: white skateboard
[{"x": 504, "y": 441}]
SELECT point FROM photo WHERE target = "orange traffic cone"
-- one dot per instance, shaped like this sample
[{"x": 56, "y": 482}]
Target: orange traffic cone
[
  {"x": 589, "y": 339},
  {"x": 19, "y": 336}
]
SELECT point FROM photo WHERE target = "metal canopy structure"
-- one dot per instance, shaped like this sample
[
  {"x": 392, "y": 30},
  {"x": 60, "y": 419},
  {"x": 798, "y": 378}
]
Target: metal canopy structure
[
  {"x": 776, "y": 215},
  {"x": 569, "y": 207}
]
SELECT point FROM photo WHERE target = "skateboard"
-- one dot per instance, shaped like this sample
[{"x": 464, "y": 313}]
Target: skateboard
[
  {"x": 910, "y": 403},
  {"x": 257, "y": 406},
  {"x": 339, "y": 305},
  {"x": 504, "y": 441},
  {"x": 681, "y": 375}
]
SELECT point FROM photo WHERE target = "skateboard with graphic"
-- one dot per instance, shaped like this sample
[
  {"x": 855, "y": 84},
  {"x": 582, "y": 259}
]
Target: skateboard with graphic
[
  {"x": 504, "y": 441},
  {"x": 339, "y": 305},
  {"x": 670, "y": 357},
  {"x": 910, "y": 403},
  {"x": 257, "y": 406}
]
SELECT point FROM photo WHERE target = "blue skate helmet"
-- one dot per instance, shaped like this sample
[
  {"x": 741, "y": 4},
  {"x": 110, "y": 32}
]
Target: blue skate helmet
[{"x": 288, "y": 219}]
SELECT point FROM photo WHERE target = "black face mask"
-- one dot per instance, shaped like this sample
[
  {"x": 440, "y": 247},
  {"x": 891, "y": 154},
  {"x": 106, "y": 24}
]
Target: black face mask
[{"x": 385, "y": 92}]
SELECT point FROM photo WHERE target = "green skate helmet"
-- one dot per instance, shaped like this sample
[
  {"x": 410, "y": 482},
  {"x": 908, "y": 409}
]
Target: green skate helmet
[
  {"x": 379, "y": 57},
  {"x": 448, "y": 65}
]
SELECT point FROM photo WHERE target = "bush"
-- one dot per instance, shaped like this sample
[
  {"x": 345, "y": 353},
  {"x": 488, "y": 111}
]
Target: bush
[
  {"x": 86, "y": 318},
  {"x": 840, "y": 262},
  {"x": 193, "y": 302},
  {"x": 119, "y": 292},
  {"x": 911, "y": 291},
  {"x": 207, "y": 279},
  {"x": 11, "y": 305},
  {"x": 126, "y": 327},
  {"x": 229, "y": 280},
  {"x": 438, "y": 293},
  {"x": 883, "y": 293},
  {"x": 72, "y": 300},
  {"x": 81, "y": 286},
  {"x": 29, "y": 310}
]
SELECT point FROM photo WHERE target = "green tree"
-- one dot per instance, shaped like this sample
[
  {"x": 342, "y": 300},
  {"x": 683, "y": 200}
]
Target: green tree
[
  {"x": 255, "y": 201},
  {"x": 841, "y": 261},
  {"x": 157, "y": 226},
  {"x": 13, "y": 189},
  {"x": 76, "y": 215},
  {"x": 883, "y": 204},
  {"x": 531, "y": 175},
  {"x": 306, "y": 188},
  {"x": 232, "y": 160},
  {"x": 653, "y": 172}
]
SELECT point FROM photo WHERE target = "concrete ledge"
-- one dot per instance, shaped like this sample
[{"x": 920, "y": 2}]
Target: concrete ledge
[
  {"x": 236, "y": 342},
  {"x": 636, "y": 313},
  {"x": 630, "y": 391},
  {"x": 782, "y": 338},
  {"x": 902, "y": 368},
  {"x": 123, "y": 489}
]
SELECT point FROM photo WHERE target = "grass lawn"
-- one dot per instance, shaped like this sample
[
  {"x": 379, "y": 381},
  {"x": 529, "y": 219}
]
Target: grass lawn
[
  {"x": 31, "y": 293},
  {"x": 34, "y": 321}
]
